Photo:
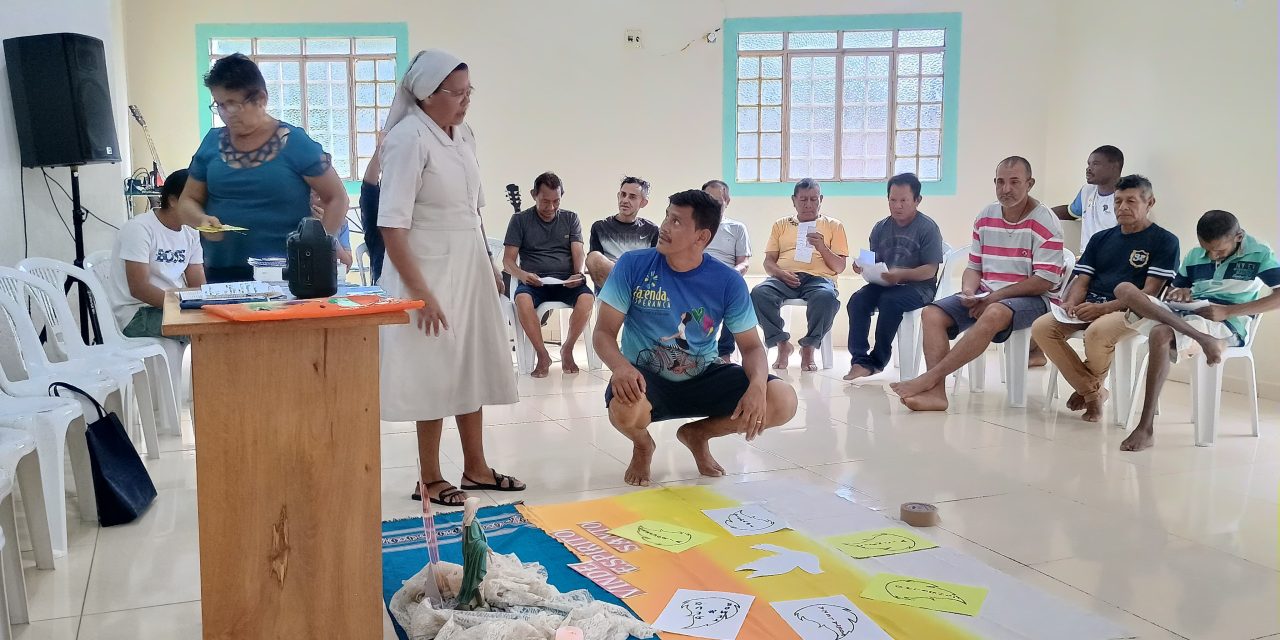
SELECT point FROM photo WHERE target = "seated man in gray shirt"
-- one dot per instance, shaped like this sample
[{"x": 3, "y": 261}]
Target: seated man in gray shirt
[
  {"x": 910, "y": 245},
  {"x": 547, "y": 241},
  {"x": 622, "y": 232},
  {"x": 731, "y": 246}
]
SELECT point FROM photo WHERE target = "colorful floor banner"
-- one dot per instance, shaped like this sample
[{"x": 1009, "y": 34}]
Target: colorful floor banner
[{"x": 646, "y": 577}]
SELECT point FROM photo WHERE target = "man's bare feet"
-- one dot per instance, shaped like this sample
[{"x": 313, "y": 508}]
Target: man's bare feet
[
  {"x": 701, "y": 450},
  {"x": 1213, "y": 350},
  {"x": 914, "y": 386},
  {"x": 543, "y": 365},
  {"x": 1093, "y": 408},
  {"x": 806, "y": 359},
  {"x": 567, "y": 363},
  {"x": 857, "y": 371},
  {"x": 1139, "y": 439},
  {"x": 1036, "y": 358},
  {"x": 641, "y": 460},
  {"x": 1075, "y": 402},
  {"x": 784, "y": 355},
  {"x": 934, "y": 399}
]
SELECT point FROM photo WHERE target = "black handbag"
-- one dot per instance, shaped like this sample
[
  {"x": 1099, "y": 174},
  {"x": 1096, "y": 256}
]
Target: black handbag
[{"x": 121, "y": 483}]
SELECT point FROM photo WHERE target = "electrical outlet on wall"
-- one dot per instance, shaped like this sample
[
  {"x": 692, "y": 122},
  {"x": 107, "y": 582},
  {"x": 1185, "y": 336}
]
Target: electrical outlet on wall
[{"x": 633, "y": 39}]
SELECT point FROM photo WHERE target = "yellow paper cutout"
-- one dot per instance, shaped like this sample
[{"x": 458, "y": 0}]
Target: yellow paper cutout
[
  {"x": 880, "y": 542},
  {"x": 926, "y": 594},
  {"x": 663, "y": 535}
]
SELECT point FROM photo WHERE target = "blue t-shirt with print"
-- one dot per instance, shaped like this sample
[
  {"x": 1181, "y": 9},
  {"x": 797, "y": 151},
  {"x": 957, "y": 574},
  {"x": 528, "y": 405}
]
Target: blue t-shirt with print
[{"x": 671, "y": 316}]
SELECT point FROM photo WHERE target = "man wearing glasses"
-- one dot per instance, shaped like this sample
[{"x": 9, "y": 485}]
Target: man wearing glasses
[{"x": 622, "y": 232}]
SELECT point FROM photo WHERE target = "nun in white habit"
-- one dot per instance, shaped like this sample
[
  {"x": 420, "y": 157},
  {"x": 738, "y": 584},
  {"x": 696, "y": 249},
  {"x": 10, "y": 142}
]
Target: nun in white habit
[{"x": 453, "y": 357}]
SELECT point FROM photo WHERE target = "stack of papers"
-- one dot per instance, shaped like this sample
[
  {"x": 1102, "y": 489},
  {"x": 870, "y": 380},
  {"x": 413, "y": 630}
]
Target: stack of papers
[
  {"x": 872, "y": 271},
  {"x": 804, "y": 250},
  {"x": 248, "y": 290}
]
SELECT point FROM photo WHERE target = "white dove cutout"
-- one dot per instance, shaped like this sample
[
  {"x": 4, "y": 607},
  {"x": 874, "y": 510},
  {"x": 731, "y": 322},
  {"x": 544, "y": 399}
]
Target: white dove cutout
[{"x": 784, "y": 561}]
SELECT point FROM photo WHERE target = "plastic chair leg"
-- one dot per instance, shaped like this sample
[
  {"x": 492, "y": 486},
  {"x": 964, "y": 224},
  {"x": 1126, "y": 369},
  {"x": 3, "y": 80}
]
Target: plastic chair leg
[
  {"x": 828, "y": 353},
  {"x": 1253, "y": 392},
  {"x": 11, "y": 565},
  {"x": 1208, "y": 396},
  {"x": 1015, "y": 366},
  {"x": 31, "y": 482}
]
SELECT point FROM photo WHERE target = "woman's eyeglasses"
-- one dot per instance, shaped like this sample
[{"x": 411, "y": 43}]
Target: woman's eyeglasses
[
  {"x": 228, "y": 108},
  {"x": 465, "y": 93}
]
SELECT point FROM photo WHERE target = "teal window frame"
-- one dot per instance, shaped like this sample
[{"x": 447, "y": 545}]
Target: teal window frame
[
  {"x": 733, "y": 27},
  {"x": 207, "y": 32}
]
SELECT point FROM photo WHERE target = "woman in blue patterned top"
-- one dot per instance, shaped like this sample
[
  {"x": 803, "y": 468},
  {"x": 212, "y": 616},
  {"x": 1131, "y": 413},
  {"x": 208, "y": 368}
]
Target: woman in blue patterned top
[{"x": 256, "y": 172}]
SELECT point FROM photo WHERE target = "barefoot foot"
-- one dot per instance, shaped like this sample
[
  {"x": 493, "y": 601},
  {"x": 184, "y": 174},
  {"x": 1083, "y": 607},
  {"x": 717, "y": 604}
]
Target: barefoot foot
[
  {"x": 784, "y": 355},
  {"x": 1036, "y": 358},
  {"x": 934, "y": 399},
  {"x": 1075, "y": 402},
  {"x": 806, "y": 359},
  {"x": 857, "y": 371},
  {"x": 641, "y": 459},
  {"x": 913, "y": 387},
  {"x": 543, "y": 366},
  {"x": 1138, "y": 440},
  {"x": 1093, "y": 407},
  {"x": 698, "y": 445},
  {"x": 1213, "y": 350},
  {"x": 567, "y": 364}
]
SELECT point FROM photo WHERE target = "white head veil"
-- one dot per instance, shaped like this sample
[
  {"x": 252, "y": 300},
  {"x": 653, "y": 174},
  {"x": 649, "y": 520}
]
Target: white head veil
[{"x": 427, "y": 71}]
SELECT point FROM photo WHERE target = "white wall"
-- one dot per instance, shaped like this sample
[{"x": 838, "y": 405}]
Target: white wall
[
  {"x": 101, "y": 185},
  {"x": 1190, "y": 96}
]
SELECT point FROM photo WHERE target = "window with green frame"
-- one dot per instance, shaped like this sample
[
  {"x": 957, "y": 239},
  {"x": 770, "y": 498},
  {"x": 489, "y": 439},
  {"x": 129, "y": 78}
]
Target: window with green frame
[
  {"x": 848, "y": 100},
  {"x": 336, "y": 83}
]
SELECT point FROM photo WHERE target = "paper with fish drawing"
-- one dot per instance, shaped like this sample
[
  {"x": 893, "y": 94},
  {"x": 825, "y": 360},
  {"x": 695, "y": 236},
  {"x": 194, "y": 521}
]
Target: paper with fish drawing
[
  {"x": 829, "y": 618},
  {"x": 747, "y": 520},
  {"x": 717, "y": 615},
  {"x": 663, "y": 535},
  {"x": 879, "y": 542},
  {"x": 926, "y": 594}
]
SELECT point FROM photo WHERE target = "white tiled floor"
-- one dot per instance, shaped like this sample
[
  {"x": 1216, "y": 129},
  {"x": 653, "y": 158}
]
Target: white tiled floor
[{"x": 1175, "y": 542}]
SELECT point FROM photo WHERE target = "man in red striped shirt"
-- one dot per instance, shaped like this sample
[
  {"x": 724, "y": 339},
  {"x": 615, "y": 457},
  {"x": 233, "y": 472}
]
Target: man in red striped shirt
[{"x": 1015, "y": 262}]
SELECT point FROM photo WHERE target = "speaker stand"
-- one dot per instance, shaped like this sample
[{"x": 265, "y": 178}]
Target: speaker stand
[{"x": 88, "y": 316}]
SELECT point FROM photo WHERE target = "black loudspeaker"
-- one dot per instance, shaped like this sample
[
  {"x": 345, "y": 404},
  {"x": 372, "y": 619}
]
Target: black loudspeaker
[{"x": 61, "y": 101}]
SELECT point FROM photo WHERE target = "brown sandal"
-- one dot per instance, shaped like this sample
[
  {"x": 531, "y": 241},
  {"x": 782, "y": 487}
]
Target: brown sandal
[{"x": 448, "y": 497}]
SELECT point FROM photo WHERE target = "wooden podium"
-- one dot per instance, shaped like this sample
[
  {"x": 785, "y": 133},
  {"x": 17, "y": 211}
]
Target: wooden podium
[{"x": 288, "y": 474}]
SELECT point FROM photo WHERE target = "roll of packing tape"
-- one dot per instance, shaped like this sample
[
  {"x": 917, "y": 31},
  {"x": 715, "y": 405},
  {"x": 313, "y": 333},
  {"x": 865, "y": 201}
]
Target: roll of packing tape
[{"x": 919, "y": 514}]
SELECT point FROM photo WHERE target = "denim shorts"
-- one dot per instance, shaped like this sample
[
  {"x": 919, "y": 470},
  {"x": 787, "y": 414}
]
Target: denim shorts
[{"x": 1025, "y": 311}]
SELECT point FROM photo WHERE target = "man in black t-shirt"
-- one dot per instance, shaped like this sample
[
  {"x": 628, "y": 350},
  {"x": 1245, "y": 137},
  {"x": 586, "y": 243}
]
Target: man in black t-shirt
[
  {"x": 1136, "y": 251},
  {"x": 622, "y": 232}
]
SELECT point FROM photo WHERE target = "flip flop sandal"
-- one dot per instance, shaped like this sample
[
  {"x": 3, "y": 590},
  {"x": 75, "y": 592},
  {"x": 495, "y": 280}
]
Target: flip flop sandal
[
  {"x": 445, "y": 496},
  {"x": 471, "y": 485}
]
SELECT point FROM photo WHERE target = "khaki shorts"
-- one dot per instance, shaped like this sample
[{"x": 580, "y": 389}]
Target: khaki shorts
[{"x": 1184, "y": 345}]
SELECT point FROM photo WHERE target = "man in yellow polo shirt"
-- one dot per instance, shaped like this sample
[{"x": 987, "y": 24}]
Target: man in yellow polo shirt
[{"x": 804, "y": 255}]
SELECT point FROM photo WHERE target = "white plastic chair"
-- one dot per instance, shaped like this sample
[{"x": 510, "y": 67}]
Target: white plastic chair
[
  {"x": 506, "y": 305},
  {"x": 526, "y": 358},
  {"x": 909, "y": 354},
  {"x": 16, "y": 325},
  {"x": 828, "y": 357},
  {"x": 129, "y": 371},
  {"x": 160, "y": 356},
  {"x": 13, "y": 585},
  {"x": 1206, "y": 387},
  {"x": 362, "y": 264},
  {"x": 1014, "y": 366},
  {"x": 48, "y": 421},
  {"x": 18, "y": 458}
]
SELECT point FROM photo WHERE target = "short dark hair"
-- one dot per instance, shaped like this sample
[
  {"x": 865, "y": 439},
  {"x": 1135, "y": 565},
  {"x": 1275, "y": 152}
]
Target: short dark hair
[
  {"x": 549, "y": 180},
  {"x": 172, "y": 189},
  {"x": 905, "y": 179},
  {"x": 1014, "y": 160},
  {"x": 804, "y": 185},
  {"x": 706, "y": 209},
  {"x": 644, "y": 184},
  {"x": 1135, "y": 181},
  {"x": 1216, "y": 225},
  {"x": 236, "y": 72},
  {"x": 714, "y": 183},
  {"x": 1112, "y": 154}
]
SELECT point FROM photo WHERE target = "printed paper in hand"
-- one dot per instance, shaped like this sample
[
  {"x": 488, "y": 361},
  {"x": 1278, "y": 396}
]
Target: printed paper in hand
[
  {"x": 828, "y": 618},
  {"x": 208, "y": 228},
  {"x": 663, "y": 535},
  {"x": 747, "y": 520},
  {"x": 1060, "y": 314},
  {"x": 549, "y": 280},
  {"x": 874, "y": 273},
  {"x": 705, "y": 614},
  {"x": 804, "y": 250},
  {"x": 926, "y": 594},
  {"x": 880, "y": 542},
  {"x": 866, "y": 257}
]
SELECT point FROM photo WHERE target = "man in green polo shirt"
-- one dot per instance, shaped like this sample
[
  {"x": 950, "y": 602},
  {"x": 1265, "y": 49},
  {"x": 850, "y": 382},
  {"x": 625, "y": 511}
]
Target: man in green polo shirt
[{"x": 1227, "y": 274}]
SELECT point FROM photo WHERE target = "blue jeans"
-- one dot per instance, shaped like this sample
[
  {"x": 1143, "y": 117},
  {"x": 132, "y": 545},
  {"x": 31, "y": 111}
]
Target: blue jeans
[
  {"x": 892, "y": 303},
  {"x": 818, "y": 293}
]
